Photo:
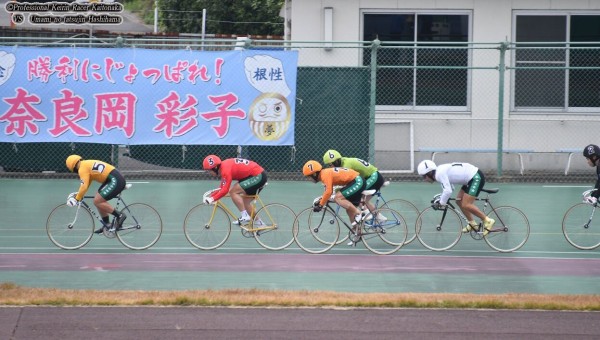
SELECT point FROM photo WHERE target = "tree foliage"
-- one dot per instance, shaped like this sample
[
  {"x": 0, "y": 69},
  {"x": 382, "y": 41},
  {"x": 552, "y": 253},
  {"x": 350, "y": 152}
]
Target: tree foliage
[{"x": 240, "y": 17}]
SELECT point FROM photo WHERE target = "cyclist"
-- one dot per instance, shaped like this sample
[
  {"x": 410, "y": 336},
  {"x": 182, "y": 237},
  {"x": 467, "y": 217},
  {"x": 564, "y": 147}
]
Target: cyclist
[
  {"x": 348, "y": 197},
  {"x": 472, "y": 181},
  {"x": 251, "y": 178},
  {"x": 592, "y": 155},
  {"x": 112, "y": 183},
  {"x": 373, "y": 179}
]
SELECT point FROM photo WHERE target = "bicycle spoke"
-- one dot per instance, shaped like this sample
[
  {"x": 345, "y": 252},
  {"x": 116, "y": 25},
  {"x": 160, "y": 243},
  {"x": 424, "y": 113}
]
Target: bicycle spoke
[
  {"x": 142, "y": 227},
  {"x": 70, "y": 228},
  {"x": 207, "y": 227},
  {"x": 511, "y": 230},
  {"x": 437, "y": 229},
  {"x": 273, "y": 226},
  {"x": 580, "y": 228},
  {"x": 316, "y": 232},
  {"x": 384, "y": 233},
  {"x": 409, "y": 212}
]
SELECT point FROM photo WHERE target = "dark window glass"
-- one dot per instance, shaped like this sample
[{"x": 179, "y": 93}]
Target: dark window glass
[
  {"x": 528, "y": 92},
  {"x": 407, "y": 86},
  {"x": 444, "y": 87},
  {"x": 584, "y": 87}
]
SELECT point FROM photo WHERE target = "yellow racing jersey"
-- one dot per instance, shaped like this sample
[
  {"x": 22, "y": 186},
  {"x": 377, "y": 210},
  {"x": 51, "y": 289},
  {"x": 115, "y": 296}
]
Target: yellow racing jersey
[{"x": 92, "y": 170}]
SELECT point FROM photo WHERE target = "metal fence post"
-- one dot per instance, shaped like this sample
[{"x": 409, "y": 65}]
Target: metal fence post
[
  {"x": 501, "y": 69},
  {"x": 373, "y": 92}
]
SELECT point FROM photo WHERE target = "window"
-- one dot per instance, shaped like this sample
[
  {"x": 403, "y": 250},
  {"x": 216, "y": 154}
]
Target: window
[
  {"x": 403, "y": 79},
  {"x": 552, "y": 64}
]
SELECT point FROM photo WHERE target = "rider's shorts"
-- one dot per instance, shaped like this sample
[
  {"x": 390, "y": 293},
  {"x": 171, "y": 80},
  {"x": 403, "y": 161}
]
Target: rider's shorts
[
  {"x": 114, "y": 184},
  {"x": 475, "y": 185},
  {"x": 353, "y": 190},
  {"x": 252, "y": 184}
]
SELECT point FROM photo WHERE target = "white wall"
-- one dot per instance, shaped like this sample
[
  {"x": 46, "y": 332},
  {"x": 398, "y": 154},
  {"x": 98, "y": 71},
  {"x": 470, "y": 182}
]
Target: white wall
[{"x": 492, "y": 22}]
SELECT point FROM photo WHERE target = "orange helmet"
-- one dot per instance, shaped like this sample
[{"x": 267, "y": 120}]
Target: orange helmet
[
  {"x": 311, "y": 167},
  {"x": 72, "y": 162},
  {"x": 210, "y": 162}
]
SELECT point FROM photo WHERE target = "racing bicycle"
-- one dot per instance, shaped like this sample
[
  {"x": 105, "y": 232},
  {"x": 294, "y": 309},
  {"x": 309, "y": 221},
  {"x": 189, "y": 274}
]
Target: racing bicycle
[
  {"x": 207, "y": 227},
  {"x": 73, "y": 227},
  {"x": 579, "y": 227},
  {"x": 317, "y": 232},
  {"x": 441, "y": 229}
]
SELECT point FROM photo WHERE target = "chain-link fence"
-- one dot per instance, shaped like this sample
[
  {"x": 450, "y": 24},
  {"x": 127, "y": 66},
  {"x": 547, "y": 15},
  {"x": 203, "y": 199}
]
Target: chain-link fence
[{"x": 519, "y": 112}]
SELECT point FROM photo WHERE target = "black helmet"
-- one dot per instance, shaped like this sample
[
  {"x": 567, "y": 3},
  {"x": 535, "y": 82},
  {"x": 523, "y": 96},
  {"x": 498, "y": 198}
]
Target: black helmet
[{"x": 591, "y": 150}]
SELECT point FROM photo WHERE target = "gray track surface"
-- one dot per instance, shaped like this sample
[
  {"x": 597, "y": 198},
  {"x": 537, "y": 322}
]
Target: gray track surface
[{"x": 290, "y": 323}]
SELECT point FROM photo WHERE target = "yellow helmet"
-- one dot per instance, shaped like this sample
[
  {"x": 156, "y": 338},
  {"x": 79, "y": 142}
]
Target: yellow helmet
[
  {"x": 72, "y": 161},
  {"x": 311, "y": 167}
]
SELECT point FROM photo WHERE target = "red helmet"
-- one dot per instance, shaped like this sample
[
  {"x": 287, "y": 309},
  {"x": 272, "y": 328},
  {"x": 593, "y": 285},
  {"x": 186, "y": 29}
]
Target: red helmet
[{"x": 210, "y": 162}]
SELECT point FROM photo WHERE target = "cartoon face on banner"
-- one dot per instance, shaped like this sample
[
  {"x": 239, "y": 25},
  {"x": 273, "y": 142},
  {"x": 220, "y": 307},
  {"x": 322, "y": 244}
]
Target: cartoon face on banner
[
  {"x": 7, "y": 65},
  {"x": 270, "y": 116}
]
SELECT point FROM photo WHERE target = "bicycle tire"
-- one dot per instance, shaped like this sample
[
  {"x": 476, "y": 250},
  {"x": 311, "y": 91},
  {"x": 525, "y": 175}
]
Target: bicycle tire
[
  {"x": 142, "y": 228},
  {"x": 65, "y": 233},
  {"x": 277, "y": 231},
  {"x": 207, "y": 227},
  {"x": 581, "y": 232},
  {"x": 409, "y": 212},
  {"x": 316, "y": 233},
  {"x": 343, "y": 238},
  {"x": 433, "y": 234},
  {"x": 511, "y": 230},
  {"x": 384, "y": 237}
]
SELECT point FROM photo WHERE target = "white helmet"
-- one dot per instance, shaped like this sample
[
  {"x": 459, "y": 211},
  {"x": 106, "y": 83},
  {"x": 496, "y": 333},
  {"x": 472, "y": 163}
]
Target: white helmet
[{"x": 425, "y": 167}]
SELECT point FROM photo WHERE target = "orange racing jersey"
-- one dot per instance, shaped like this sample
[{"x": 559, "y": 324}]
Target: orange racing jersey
[{"x": 335, "y": 176}]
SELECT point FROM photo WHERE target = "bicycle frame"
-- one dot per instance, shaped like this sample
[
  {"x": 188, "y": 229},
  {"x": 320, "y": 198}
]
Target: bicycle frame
[
  {"x": 587, "y": 193},
  {"x": 250, "y": 227},
  {"x": 486, "y": 202},
  {"x": 95, "y": 214},
  {"x": 111, "y": 227},
  {"x": 356, "y": 234}
]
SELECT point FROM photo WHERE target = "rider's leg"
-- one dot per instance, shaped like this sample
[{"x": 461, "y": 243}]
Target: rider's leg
[
  {"x": 104, "y": 208},
  {"x": 467, "y": 205},
  {"x": 351, "y": 209},
  {"x": 242, "y": 203}
]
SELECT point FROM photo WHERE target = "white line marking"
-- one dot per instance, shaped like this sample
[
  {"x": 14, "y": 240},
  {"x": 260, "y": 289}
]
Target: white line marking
[{"x": 565, "y": 186}]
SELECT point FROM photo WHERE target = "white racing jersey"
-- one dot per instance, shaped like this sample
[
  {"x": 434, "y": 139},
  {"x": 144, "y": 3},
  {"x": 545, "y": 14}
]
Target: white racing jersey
[{"x": 453, "y": 173}]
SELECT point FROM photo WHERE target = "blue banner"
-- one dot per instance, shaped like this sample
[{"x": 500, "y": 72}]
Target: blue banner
[{"x": 137, "y": 96}]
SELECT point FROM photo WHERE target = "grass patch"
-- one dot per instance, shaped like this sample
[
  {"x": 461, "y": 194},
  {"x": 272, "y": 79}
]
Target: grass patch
[{"x": 14, "y": 295}]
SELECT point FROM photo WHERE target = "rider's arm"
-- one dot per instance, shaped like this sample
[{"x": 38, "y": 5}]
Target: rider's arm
[
  {"x": 446, "y": 188},
  {"x": 327, "y": 180},
  {"x": 226, "y": 180},
  {"x": 85, "y": 178},
  {"x": 596, "y": 193}
]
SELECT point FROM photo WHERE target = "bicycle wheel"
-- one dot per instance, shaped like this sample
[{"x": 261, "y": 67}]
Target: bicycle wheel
[
  {"x": 384, "y": 236},
  {"x": 142, "y": 228},
  {"x": 579, "y": 227},
  {"x": 511, "y": 230},
  {"x": 410, "y": 213},
  {"x": 273, "y": 226},
  {"x": 70, "y": 228},
  {"x": 438, "y": 230},
  {"x": 314, "y": 232},
  {"x": 207, "y": 227}
]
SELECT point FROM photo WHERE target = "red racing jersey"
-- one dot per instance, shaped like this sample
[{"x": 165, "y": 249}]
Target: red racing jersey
[{"x": 235, "y": 169}]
